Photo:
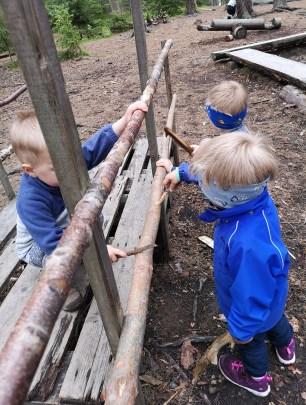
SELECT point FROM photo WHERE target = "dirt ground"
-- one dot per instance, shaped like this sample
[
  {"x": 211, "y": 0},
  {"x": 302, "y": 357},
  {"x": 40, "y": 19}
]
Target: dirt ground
[{"x": 100, "y": 86}]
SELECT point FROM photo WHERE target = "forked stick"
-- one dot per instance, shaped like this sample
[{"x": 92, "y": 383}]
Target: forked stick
[{"x": 211, "y": 355}]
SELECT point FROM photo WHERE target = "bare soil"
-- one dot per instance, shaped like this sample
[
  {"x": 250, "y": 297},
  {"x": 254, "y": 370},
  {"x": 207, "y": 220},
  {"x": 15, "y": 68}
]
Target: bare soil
[{"x": 100, "y": 86}]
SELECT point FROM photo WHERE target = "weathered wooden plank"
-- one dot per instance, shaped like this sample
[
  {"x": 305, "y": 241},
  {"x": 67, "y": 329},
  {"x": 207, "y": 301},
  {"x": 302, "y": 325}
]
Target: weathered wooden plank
[
  {"x": 277, "y": 67},
  {"x": 271, "y": 45},
  {"x": 13, "y": 304},
  {"x": 49, "y": 367},
  {"x": 8, "y": 262},
  {"x": 8, "y": 222},
  {"x": 90, "y": 361}
]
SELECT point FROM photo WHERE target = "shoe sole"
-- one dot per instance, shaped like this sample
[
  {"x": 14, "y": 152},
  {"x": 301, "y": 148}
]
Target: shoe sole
[
  {"x": 285, "y": 362},
  {"x": 257, "y": 393}
]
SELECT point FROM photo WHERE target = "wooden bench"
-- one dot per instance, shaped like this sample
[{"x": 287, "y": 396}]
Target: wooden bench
[{"x": 78, "y": 355}]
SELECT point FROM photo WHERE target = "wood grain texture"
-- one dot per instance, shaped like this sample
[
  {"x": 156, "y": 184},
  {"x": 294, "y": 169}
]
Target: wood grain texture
[
  {"x": 279, "y": 68},
  {"x": 269, "y": 46}
]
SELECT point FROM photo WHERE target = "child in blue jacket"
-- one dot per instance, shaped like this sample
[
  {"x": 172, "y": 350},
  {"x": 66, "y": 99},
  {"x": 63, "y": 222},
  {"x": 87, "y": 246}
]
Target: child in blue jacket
[
  {"x": 251, "y": 262},
  {"x": 41, "y": 213}
]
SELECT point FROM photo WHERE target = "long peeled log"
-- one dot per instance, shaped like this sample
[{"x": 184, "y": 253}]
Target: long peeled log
[
  {"x": 122, "y": 385},
  {"x": 24, "y": 348}
]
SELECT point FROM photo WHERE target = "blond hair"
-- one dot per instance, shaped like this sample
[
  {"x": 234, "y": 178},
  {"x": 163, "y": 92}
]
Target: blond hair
[
  {"x": 26, "y": 137},
  {"x": 235, "y": 159},
  {"x": 229, "y": 97}
]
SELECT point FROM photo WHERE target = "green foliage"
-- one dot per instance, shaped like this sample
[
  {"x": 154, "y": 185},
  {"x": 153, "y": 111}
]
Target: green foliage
[
  {"x": 68, "y": 38},
  {"x": 4, "y": 37},
  {"x": 158, "y": 7},
  {"x": 13, "y": 64},
  {"x": 120, "y": 22}
]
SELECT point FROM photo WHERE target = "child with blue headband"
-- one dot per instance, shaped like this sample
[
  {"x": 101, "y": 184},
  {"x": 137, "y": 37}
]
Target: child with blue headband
[
  {"x": 251, "y": 261},
  {"x": 226, "y": 105}
]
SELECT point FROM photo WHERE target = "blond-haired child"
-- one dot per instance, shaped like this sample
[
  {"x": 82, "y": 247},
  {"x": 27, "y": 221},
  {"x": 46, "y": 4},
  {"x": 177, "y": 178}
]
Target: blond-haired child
[
  {"x": 251, "y": 262},
  {"x": 41, "y": 213}
]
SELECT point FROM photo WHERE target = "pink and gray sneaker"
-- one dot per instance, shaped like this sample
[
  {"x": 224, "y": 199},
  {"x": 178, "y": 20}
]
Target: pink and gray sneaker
[
  {"x": 286, "y": 354},
  {"x": 233, "y": 370}
]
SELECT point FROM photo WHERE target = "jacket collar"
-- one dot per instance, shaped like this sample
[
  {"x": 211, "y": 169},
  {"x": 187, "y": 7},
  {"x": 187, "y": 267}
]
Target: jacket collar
[{"x": 211, "y": 214}]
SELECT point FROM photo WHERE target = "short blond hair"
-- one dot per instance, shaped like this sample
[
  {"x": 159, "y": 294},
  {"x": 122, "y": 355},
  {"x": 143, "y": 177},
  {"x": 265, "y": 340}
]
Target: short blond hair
[
  {"x": 27, "y": 138},
  {"x": 229, "y": 97},
  {"x": 235, "y": 159}
]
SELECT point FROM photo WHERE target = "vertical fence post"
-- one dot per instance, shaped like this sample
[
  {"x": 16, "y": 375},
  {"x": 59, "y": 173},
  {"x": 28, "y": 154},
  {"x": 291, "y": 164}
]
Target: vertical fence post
[
  {"x": 169, "y": 99},
  {"x": 31, "y": 35},
  {"x": 142, "y": 56},
  {"x": 6, "y": 183}
]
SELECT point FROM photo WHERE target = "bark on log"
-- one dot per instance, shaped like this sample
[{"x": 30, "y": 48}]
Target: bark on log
[
  {"x": 252, "y": 24},
  {"x": 279, "y": 4},
  {"x": 13, "y": 96},
  {"x": 122, "y": 385},
  {"x": 293, "y": 95},
  {"x": 25, "y": 345}
]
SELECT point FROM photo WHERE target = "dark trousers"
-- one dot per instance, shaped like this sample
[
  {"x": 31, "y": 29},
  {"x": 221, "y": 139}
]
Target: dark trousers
[{"x": 255, "y": 354}]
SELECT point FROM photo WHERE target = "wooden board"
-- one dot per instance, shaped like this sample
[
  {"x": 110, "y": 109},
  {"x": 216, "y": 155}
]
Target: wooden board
[
  {"x": 8, "y": 222},
  {"x": 91, "y": 357},
  {"x": 13, "y": 304},
  {"x": 8, "y": 262},
  {"x": 279, "y": 68},
  {"x": 271, "y": 45}
]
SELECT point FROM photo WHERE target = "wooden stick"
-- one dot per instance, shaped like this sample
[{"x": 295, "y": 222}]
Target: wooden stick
[
  {"x": 122, "y": 387},
  {"x": 162, "y": 198},
  {"x": 185, "y": 145},
  {"x": 13, "y": 96},
  {"x": 137, "y": 250}
]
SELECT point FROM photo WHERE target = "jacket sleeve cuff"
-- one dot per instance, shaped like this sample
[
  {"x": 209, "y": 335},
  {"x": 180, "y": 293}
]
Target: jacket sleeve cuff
[{"x": 108, "y": 130}]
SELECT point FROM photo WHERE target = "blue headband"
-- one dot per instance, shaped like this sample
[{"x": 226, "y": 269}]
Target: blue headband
[{"x": 225, "y": 121}]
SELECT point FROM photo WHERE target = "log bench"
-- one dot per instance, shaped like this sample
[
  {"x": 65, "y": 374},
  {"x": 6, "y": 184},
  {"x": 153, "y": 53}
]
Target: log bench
[{"x": 78, "y": 356}]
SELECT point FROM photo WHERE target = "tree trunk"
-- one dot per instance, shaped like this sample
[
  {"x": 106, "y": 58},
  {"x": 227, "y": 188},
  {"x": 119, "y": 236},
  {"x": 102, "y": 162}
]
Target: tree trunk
[
  {"x": 245, "y": 9},
  {"x": 279, "y": 4},
  {"x": 191, "y": 7},
  {"x": 115, "y": 6}
]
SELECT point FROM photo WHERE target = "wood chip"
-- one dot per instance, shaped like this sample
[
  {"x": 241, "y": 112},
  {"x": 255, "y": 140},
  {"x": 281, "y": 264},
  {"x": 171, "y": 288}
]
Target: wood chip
[
  {"x": 188, "y": 354},
  {"x": 207, "y": 240},
  {"x": 149, "y": 379}
]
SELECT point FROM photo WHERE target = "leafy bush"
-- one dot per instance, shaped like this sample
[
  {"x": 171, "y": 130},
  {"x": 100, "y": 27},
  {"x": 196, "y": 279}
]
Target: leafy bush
[
  {"x": 69, "y": 37},
  {"x": 4, "y": 38},
  {"x": 158, "y": 7},
  {"x": 120, "y": 22}
]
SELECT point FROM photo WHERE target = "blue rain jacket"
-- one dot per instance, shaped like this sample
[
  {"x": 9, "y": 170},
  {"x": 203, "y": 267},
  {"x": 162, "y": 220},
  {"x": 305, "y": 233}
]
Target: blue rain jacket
[{"x": 251, "y": 263}]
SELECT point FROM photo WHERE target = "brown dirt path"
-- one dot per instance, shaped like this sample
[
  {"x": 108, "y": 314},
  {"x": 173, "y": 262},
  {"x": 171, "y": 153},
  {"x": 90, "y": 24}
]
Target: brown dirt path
[{"x": 100, "y": 86}]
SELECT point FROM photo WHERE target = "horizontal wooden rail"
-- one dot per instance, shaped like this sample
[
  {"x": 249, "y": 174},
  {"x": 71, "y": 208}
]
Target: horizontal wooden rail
[
  {"x": 122, "y": 387},
  {"x": 24, "y": 348}
]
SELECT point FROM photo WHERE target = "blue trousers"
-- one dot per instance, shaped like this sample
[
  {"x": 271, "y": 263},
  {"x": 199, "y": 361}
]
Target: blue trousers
[{"x": 255, "y": 354}]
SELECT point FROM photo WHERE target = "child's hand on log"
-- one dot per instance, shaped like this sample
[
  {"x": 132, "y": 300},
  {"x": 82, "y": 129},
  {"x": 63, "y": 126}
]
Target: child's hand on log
[
  {"x": 115, "y": 254},
  {"x": 165, "y": 163},
  {"x": 119, "y": 126},
  {"x": 137, "y": 105}
]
